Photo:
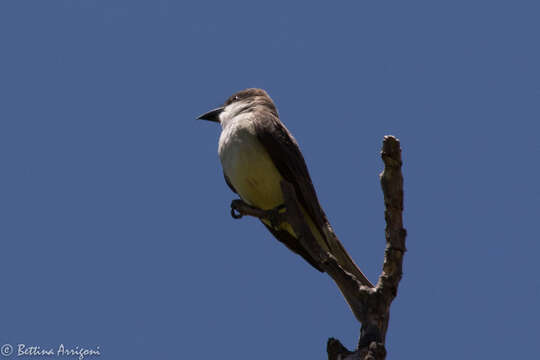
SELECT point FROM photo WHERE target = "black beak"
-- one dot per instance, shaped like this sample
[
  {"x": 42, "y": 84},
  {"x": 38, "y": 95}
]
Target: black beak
[{"x": 212, "y": 115}]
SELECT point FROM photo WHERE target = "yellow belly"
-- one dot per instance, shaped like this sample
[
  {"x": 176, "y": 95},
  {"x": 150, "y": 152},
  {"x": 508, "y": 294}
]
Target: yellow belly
[{"x": 257, "y": 181}]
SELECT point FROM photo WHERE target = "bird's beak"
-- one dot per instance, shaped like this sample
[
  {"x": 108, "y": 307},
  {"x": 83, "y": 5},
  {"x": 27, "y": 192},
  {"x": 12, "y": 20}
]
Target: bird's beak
[{"x": 212, "y": 115}]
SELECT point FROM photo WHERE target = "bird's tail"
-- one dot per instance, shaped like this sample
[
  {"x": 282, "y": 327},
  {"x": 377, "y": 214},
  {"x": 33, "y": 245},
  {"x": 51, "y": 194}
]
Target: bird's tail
[
  {"x": 342, "y": 256},
  {"x": 327, "y": 239},
  {"x": 330, "y": 242}
]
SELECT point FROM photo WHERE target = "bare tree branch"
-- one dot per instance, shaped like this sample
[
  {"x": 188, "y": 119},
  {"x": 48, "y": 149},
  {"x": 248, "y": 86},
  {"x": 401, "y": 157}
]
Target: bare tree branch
[{"x": 370, "y": 306}]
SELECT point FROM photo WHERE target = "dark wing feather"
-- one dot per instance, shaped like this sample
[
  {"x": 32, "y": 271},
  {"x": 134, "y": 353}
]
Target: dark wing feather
[
  {"x": 293, "y": 244},
  {"x": 286, "y": 155}
]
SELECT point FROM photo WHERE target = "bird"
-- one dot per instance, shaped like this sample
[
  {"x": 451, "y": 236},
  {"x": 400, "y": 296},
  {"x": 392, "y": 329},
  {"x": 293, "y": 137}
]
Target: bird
[{"x": 257, "y": 152}]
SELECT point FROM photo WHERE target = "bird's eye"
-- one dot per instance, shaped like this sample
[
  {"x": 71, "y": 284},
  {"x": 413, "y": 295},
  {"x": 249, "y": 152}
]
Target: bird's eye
[{"x": 236, "y": 98}]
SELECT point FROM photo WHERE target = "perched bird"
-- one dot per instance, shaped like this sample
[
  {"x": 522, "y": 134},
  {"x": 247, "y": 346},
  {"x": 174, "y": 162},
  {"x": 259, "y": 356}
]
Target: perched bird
[{"x": 257, "y": 151}]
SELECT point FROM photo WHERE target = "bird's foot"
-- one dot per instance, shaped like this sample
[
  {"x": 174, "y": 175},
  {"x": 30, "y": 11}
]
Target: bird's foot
[
  {"x": 275, "y": 216},
  {"x": 238, "y": 208}
]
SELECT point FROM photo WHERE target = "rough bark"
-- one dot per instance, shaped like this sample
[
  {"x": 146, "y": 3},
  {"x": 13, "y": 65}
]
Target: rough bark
[{"x": 370, "y": 306}]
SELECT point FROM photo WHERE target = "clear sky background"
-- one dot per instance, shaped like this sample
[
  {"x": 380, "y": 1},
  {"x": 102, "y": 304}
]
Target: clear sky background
[{"x": 114, "y": 215}]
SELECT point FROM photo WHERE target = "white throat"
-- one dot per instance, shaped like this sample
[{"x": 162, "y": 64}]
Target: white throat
[{"x": 233, "y": 113}]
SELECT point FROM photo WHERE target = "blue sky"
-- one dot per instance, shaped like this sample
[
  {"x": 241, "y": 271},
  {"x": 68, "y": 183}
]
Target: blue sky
[{"x": 115, "y": 226}]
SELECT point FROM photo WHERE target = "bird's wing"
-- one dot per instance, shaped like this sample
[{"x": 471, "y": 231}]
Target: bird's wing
[{"x": 285, "y": 154}]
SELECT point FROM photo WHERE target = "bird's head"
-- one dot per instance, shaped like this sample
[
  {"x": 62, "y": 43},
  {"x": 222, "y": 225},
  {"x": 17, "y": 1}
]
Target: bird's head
[{"x": 242, "y": 101}]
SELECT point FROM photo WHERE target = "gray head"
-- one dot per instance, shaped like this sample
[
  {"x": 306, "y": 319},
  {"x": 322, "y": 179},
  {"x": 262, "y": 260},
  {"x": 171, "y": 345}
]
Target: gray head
[{"x": 243, "y": 101}]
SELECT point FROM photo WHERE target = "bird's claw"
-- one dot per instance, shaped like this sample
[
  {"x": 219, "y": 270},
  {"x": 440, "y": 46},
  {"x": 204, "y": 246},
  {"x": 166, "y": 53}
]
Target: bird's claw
[{"x": 235, "y": 213}]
